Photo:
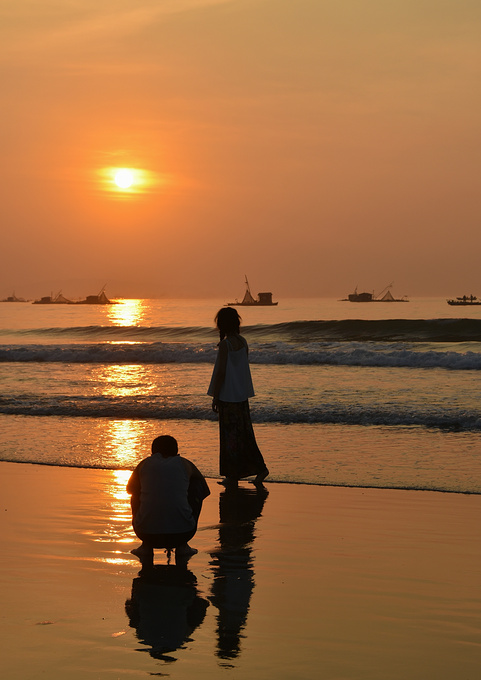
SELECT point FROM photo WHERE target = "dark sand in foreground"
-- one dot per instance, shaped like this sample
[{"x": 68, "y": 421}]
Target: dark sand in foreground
[{"x": 298, "y": 583}]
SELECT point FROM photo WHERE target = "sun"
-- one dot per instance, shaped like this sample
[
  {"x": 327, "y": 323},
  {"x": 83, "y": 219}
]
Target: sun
[
  {"x": 124, "y": 178},
  {"x": 130, "y": 182}
]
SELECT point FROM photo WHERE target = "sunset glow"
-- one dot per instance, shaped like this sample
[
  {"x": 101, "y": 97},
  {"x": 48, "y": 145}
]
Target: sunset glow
[{"x": 348, "y": 130}]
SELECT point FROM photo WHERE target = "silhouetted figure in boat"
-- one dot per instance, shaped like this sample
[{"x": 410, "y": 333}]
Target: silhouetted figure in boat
[{"x": 167, "y": 494}]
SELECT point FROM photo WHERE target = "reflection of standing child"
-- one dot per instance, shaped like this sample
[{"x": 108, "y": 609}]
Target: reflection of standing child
[
  {"x": 231, "y": 386},
  {"x": 167, "y": 493}
]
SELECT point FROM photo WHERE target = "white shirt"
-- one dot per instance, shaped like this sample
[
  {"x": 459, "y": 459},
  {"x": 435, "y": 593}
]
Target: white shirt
[{"x": 237, "y": 384}]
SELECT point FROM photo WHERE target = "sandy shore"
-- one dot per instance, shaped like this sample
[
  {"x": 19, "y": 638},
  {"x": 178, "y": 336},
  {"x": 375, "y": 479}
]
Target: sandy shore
[{"x": 296, "y": 583}]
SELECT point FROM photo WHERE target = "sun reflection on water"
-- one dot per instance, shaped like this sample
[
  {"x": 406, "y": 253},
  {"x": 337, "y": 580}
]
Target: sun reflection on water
[
  {"x": 122, "y": 380},
  {"x": 126, "y": 441},
  {"x": 127, "y": 313},
  {"x": 115, "y": 530}
]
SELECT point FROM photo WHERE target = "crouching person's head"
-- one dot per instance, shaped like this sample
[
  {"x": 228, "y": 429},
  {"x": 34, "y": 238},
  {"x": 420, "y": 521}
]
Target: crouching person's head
[{"x": 165, "y": 445}]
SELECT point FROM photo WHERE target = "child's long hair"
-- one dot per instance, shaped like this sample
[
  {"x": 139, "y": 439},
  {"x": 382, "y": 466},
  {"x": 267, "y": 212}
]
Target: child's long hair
[{"x": 227, "y": 321}]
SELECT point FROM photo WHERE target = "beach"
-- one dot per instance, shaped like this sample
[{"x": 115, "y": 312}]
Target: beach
[
  {"x": 295, "y": 581},
  {"x": 311, "y": 168}
]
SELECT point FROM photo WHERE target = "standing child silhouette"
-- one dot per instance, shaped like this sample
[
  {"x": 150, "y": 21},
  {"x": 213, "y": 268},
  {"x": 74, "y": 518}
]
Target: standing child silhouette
[{"x": 231, "y": 386}]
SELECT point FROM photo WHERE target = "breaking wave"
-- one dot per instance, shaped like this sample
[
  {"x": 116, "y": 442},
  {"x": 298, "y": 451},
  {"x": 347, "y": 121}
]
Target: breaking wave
[
  {"x": 369, "y": 354},
  {"x": 146, "y": 408},
  {"x": 385, "y": 330}
]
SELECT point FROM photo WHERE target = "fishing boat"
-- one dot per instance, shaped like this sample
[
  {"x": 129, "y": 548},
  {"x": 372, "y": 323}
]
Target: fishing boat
[
  {"x": 465, "y": 301},
  {"x": 58, "y": 299},
  {"x": 13, "y": 298},
  {"x": 262, "y": 300},
  {"x": 384, "y": 296},
  {"x": 359, "y": 297},
  {"x": 99, "y": 299}
]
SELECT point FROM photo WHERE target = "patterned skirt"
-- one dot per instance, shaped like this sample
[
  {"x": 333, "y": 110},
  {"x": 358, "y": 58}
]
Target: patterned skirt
[{"x": 239, "y": 454}]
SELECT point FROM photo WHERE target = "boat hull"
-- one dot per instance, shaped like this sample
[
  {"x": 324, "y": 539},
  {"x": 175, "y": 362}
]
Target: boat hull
[
  {"x": 252, "y": 304},
  {"x": 457, "y": 303}
]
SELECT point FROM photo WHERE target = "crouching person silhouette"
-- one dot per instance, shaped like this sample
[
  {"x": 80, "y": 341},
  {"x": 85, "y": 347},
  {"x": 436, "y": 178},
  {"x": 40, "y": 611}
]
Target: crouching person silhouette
[{"x": 167, "y": 492}]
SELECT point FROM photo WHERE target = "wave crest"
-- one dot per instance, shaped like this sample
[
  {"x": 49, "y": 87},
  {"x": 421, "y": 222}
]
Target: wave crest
[
  {"x": 394, "y": 355},
  {"x": 147, "y": 408}
]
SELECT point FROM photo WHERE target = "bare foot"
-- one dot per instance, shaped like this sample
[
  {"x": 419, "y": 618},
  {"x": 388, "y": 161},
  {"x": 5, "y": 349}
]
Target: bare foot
[
  {"x": 142, "y": 552},
  {"x": 186, "y": 551},
  {"x": 229, "y": 481},
  {"x": 260, "y": 477}
]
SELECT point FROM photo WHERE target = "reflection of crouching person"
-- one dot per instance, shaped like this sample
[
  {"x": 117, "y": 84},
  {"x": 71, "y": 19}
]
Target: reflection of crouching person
[{"x": 167, "y": 493}]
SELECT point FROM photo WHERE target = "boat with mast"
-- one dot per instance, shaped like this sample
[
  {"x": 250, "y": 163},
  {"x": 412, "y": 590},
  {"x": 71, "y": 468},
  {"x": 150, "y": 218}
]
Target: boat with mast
[
  {"x": 262, "y": 300},
  {"x": 51, "y": 299},
  {"x": 384, "y": 296},
  {"x": 465, "y": 301},
  {"x": 60, "y": 299},
  {"x": 13, "y": 298},
  {"x": 99, "y": 299}
]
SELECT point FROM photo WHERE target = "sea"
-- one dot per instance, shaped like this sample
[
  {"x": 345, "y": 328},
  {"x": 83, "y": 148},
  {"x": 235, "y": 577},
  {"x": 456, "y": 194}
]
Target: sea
[{"x": 374, "y": 394}]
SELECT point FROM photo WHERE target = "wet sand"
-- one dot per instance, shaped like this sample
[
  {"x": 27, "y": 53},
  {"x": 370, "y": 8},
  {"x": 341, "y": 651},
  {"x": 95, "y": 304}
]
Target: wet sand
[{"x": 297, "y": 582}]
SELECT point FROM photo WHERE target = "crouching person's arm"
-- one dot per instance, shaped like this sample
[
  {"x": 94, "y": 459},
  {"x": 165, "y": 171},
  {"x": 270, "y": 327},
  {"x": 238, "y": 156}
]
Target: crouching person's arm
[
  {"x": 133, "y": 488},
  {"x": 198, "y": 488}
]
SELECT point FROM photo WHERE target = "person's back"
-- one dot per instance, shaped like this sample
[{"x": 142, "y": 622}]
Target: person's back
[
  {"x": 231, "y": 388},
  {"x": 231, "y": 379},
  {"x": 167, "y": 493},
  {"x": 238, "y": 381},
  {"x": 164, "y": 487}
]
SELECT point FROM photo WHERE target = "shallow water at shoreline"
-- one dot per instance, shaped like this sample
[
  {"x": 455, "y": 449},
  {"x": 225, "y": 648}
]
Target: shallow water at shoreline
[{"x": 357, "y": 456}]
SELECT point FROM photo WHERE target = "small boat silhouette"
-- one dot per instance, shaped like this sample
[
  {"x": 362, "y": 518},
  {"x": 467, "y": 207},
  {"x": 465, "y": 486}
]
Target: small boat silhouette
[{"x": 263, "y": 299}]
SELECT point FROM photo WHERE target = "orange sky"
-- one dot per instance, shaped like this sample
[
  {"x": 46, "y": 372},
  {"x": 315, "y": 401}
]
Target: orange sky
[{"x": 313, "y": 145}]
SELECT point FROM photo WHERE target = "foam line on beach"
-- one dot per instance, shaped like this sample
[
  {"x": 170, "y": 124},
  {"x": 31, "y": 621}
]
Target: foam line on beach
[{"x": 271, "y": 481}]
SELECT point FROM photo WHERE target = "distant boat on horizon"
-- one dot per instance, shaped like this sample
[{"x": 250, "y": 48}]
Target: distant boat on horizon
[
  {"x": 13, "y": 298},
  {"x": 60, "y": 299},
  {"x": 51, "y": 299},
  {"x": 99, "y": 299},
  {"x": 370, "y": 297},
  {"x": 263, "y": 299},
  {"x": 465, "y": 301}
]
